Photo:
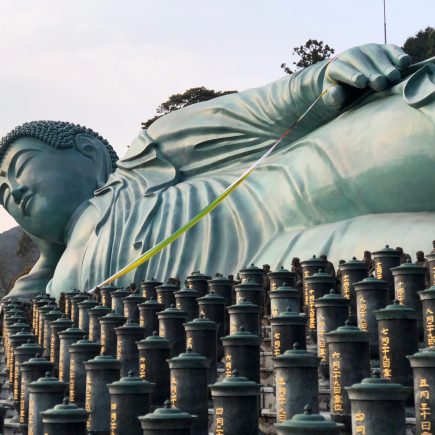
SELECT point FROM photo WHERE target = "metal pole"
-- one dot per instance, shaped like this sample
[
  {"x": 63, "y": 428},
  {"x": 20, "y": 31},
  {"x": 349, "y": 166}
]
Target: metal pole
[{"x": 385, "y": 25}]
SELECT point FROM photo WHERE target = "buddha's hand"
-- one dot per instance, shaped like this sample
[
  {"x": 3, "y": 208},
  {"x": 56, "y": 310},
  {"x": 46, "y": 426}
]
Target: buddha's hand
[{"x": 373, "y": 66}]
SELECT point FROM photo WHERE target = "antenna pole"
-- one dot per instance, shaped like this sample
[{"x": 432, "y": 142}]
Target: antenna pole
[{"x": 385, "y": 25}]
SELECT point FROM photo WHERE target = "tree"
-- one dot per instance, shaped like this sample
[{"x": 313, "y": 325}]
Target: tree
[
  {"x": 311, "y": 52},
  {"x": 421, "y": 46},
  {"x": 177, "y": 101}
]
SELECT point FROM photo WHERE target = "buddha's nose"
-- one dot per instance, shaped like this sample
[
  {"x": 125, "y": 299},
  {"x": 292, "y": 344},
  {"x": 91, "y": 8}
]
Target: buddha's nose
[{"x": 18, "y": 192}]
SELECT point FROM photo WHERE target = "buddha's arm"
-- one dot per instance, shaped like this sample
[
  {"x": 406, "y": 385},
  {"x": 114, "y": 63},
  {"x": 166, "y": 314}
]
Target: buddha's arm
[
  {"x": 41, "y": 273},
  {"x": 200, "y": 136}
]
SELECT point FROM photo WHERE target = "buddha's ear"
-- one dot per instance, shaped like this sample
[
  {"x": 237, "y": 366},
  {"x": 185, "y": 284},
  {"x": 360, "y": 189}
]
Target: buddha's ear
[
  {"x": 89, "y": 145},
  {"x": 92, "y": 148},
  {"x": 419, "y": 90}
]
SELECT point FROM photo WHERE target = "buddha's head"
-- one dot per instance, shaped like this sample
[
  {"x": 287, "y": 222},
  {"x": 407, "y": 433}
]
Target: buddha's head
[{"x": 47, "y": 170}]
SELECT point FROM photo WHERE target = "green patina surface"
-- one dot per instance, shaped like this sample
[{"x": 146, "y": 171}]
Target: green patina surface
[{"x": 356, "y": 173}]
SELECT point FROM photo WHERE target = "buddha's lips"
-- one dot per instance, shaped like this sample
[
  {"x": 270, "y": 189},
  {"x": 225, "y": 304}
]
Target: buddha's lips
[{"x": 25, "y": 203}]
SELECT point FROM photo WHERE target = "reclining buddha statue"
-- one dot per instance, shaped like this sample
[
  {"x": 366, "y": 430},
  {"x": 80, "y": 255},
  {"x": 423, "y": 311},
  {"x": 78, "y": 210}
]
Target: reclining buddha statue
[{"x": 355, "y": 173}]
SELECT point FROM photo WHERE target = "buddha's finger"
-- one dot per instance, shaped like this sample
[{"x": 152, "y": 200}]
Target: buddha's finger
[
  {"x": 381, "y": 62},
  {"x": 397, "y": 56},
  {"x": 362, "y": 63},
  {"x": 335, "y": 96},
  {"x": 341, "y": 72}
]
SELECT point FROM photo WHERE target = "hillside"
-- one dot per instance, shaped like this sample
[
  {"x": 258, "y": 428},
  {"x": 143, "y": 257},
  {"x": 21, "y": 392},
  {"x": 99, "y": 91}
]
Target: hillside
[{"x": 14, "y": 261}]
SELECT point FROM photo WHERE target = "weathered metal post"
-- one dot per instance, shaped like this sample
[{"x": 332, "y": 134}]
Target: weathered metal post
[
  {"x": 126, "y": 348},
  {"x": 371, "y": 295},
  {"x": 235, "y": 403},
  {"x": 153, "y": 356},
  {"x": 332, "y": 311},
  {"x": 398, "y": 337},
  {"x": 189, "y": 387},
  {"x": 378, "y": 406},
  {"x": 296, "y": 382},
  {"x": 65, "y": 419},
  {"x": 100, "y": 371},
  {"x": 129, "y": 399},
  {"x": 349, "y": 362},
  {"x": 242, "y": 351},
  {"x": 167, "y": 421},
  {"x": 44, "y": 393}
]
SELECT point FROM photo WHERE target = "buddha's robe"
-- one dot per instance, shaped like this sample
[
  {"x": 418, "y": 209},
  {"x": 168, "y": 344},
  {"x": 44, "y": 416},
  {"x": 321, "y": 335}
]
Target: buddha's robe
[{"x": 339, "y": 184}]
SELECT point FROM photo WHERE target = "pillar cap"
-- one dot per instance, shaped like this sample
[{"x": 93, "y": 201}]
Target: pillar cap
[
  {"x": 72, "y": 333},
  {"x": 64, "y": 413},
  {"x": 130, "y": 327},
  {"x": 423, "y": 358},
  {"x": 81, "y": 296},
  {"x": 242, "y": 338},
  {"x": 85, "y": 344},
  {"x": 109, "y": 288},
  {"x": 100, "y": 310},
  {"x": 353, "y": 264},
  {"x": 331, "y": 299},
  {"x": 249, "y": 284},
  {"x": 386, "y": 252},
  {"x": 314, "y": 261},
  {"x": 37, "y": 362},
  {"x": 62, "y": 321},
  {"x": 135, "y": 298},
  {"x": 120, "y": 293},
  {"x": 428, "y": 293},
  {"x": 151, "y": 281},
  {"x": 154, "y": 341},
  {"x": 29, "y": 347},
  {"x": 113, "y": 318},
  {"x": 167, "y": 286},
  {"x": 370, "y": 283},
  {"x": 201, "y": 323},
  {"x": 289, "y": 317},
  {"x": 243, "y": 307},
  {"x": 88, "y": 303},
  {"x": 158, "y": 418},
  {"x": 296, "y": 357},
  {"x": 211, "y": 298},
  {"x": 22, "y": 335},
  {"x": 284, "y": 291},
  {"x": 409, "y": 268},
  {"x": 308, "y": 421},
  {"x": 18, "y": 326},
  {"x": 105, "y": 362},
  {"x": 251, "y": 269},
  {"x": 235, "y": 385},
  {"x": 321, "y": 277},
  {"x": 130, "y": 385},
  {"x": 47, "y": 384},
  {"x": 71, "y": 293},
  {"x": 188, "y": 360},
  {"x": 151, "y": 304},
  {"x": 198, "y": 276},
  {"x": 172, "y": 312},
  {"x": 187, "y": 293},
  {"x": 396, "y": 311},
  {"x": 347, "y": 334},
  {"x": 281, "y": 271},
  {"x": 377, "y": 388},
  {"x": 220, "y": 280},
  {"x": 53, "y": 314}
]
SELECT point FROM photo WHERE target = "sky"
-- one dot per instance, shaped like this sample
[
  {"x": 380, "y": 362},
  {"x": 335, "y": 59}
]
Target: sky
[{"x": 108, "y": 64}]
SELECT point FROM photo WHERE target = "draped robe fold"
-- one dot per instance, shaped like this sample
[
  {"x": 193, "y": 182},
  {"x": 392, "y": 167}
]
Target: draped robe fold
[{"x": 339, "y": 184}]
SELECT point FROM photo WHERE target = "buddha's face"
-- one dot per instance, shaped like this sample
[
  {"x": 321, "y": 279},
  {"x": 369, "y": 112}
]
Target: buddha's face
[{"x": 41, "y": 187}]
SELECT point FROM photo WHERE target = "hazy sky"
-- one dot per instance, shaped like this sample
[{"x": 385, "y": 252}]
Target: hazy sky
[{"x": 108, "y": 64}]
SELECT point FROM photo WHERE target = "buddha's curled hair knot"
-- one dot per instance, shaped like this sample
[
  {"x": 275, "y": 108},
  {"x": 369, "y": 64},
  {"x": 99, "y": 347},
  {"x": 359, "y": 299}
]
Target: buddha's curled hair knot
[{"x": 57, "y": 134}]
